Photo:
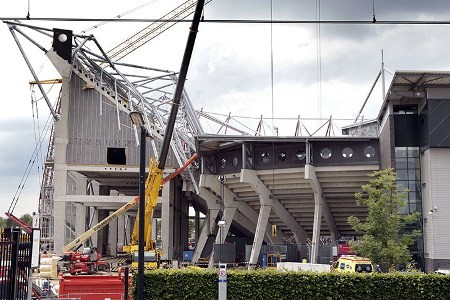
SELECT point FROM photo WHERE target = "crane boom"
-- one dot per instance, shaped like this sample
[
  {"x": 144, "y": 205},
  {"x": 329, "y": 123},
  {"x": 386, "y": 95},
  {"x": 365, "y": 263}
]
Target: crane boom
[
  {"x": 84, "y": 236},
  {"x": 80, "y": 240},
  {"x": 153, "y": 30}
]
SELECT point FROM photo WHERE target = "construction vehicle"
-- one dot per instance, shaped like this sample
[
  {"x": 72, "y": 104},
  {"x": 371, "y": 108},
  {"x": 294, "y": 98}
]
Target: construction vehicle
[{"x": 88, "y": 261}]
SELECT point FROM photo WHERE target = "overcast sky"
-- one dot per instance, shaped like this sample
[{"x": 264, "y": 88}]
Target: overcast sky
[{"x": 233, "y": 65}]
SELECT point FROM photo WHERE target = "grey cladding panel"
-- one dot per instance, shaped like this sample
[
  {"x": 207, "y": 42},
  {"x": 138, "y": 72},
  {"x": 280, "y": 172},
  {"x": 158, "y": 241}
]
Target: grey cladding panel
[
  {"x": 94, "y": 127},
  {"x": 439, "y": 123}
]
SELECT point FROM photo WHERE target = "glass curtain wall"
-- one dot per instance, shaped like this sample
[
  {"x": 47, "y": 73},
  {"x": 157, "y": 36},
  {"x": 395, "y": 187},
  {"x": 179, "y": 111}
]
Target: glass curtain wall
[{"x": 407, "y": 161}]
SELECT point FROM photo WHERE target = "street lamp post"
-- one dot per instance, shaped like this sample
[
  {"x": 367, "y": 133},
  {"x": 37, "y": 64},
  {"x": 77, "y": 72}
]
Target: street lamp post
[
  {"x": 138, "y": 120},
  {"x": 222, "y": 223}
]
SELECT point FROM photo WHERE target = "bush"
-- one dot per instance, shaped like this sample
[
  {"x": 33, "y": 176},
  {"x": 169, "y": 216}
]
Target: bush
[{"x": 272, "y": 284}]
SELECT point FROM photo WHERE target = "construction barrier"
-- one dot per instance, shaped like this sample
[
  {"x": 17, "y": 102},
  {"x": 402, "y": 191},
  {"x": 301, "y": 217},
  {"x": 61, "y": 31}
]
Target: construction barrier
[{"x": 91, "y": 287}]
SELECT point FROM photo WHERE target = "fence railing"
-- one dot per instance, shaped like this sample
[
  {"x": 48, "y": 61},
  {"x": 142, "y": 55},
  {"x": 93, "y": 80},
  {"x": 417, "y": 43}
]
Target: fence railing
[{"x": 15, "y": 263}]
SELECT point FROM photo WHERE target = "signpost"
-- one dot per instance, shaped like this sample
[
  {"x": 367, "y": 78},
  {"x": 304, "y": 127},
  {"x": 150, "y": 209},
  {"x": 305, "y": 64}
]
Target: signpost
[{"x": 222, "y": 281}]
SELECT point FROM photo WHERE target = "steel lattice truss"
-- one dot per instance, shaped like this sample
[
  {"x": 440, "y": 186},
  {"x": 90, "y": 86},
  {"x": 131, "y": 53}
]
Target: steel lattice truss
[{"x": 129, "y": 88}]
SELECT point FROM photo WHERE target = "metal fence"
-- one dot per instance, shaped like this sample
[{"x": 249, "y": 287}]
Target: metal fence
[
  {"x": 92, "y": 296},
  {"x": 15, "y": 263}
]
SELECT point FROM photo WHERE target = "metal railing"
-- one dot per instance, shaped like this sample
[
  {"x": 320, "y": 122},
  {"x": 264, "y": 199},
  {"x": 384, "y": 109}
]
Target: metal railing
[{"x": 15, "y": 263}]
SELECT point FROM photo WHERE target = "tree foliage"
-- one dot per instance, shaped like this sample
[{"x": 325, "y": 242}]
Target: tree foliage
[
  {"x": 384, "y": 240},
  {"x": 27, "y": 218}
]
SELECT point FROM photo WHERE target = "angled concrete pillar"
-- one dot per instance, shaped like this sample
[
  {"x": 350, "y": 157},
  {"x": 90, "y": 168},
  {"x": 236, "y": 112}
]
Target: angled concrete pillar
[
  {"x": 228, "y": 216},
  {"x": 208, "y": 224},
  {"x": 316, "y": 228},
  {"x": 261, "y": 226},
  {"x": 212, "y": 183},
  {"x": 250, "y": 177},
  {"x": 320, "y": 208}
]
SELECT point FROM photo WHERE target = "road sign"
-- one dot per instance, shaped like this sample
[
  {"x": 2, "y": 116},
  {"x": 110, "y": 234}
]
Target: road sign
[{"x": 222, "y": 281}]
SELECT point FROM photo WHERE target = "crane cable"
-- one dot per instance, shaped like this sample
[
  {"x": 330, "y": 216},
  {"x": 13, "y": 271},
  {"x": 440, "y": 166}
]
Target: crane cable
[
  {"x": 319, "y": 61},
  {"x": 117, "y": 17},
  {"x": 31, "y": 162},
  {"x": 36, "y": 126}
]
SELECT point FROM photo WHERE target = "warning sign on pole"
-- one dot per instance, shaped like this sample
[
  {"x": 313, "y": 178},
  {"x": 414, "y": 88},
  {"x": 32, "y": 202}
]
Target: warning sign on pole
[{"x": 222, "y": 281}]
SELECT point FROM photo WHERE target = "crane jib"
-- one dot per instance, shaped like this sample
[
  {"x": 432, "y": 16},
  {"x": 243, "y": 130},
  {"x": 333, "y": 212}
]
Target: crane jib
[{"x": 180, "y": 83}]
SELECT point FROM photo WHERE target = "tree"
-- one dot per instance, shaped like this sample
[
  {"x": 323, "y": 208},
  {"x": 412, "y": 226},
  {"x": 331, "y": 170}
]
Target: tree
[
  {"x": 384, "y": 240},
  {"x": 27, "y": 218},
  {"x": 2, "y": 222},
  {"x": 191, "y": 229}
]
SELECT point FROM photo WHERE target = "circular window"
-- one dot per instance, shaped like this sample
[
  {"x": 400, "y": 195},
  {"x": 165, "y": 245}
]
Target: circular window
[
  {"x": 282, "y": 156},
  {"x": 265, "y": 157},
  {"x": 301, "y": 155},
  {"x": 223, "y": 162},
  {"x": 235, "y": 161},
  {"x": 347, "y": 152},
  {"x": 325, "y": 153},
  {"x": 369, "y": 152}
]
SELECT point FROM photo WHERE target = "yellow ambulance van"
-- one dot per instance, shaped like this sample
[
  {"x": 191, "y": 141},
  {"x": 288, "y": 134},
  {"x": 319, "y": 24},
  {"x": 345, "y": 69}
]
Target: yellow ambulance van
[{"x": 352, "y": 263}]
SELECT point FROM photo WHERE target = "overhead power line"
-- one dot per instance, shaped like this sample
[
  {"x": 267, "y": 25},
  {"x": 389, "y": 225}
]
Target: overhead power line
[{"x": 242, "y": 21}]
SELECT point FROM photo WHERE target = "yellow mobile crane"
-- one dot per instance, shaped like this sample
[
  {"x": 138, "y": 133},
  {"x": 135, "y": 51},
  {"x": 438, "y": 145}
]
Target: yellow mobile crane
[
  {"x": 76, "y": 243},
  {"x": 152, "y": 251},
  {"x": 148, "y": 252}
]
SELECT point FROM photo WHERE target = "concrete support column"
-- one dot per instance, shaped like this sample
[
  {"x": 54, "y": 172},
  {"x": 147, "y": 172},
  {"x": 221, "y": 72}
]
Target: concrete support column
[
  {"x": 316, "y": 228},
  {"x": 167, "y": 220},
  {"x": 129, "y": 223},
  {"x": 266, "y": 198},
  {"x": 80, "y": 221},
  {"x": 80, "y": 184},
  {"x": 320, "y": 208},
  {"x": 59, "y": 212},
  {"x": 209, "y": 223},
  {"x": 261, "y": 226},
  {"x": 120, "y": 233},
  {"x": 228, "y": 216},
  {"x": 94, "y": 218},
  {"x": 112, "y": 236},
  {"x": 60, "y": 168}
]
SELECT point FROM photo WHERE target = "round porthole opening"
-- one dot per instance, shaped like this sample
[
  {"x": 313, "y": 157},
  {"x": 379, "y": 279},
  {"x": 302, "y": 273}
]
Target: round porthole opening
[
  {"x": 347, "y": 152},
  {"x": 301, "y": 155},
  {"x": 325, "y": 153},
  {"x": 369, "y": 152},
  {"x": 265, "y": 157}
]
